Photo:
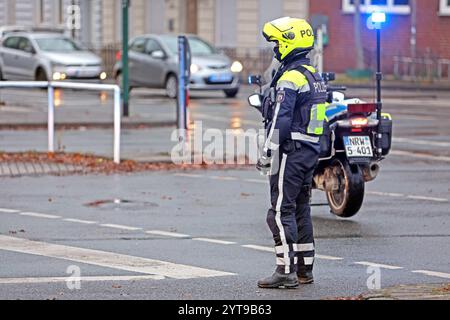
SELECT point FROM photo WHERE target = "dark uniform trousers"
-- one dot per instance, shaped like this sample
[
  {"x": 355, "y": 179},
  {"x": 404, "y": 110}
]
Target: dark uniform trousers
[{"x": 289, "y": 219}]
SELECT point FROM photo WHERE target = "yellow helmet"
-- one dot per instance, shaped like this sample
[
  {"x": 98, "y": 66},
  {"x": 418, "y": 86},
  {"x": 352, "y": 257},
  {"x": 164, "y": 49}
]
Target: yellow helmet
[{"x": 291, "y": 34}]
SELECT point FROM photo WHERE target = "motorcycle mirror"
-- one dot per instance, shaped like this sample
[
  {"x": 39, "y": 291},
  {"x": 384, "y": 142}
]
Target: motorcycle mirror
[
  {"x": 329, "y": 76},
  {"x": 255, "y": 80},
  {"x": 255, "y": 100}
]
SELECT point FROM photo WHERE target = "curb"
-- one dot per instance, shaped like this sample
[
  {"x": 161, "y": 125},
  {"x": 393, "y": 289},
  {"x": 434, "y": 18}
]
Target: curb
[
  {"x": 411, "y": 292},
  {"x": 90, "y": 125}
]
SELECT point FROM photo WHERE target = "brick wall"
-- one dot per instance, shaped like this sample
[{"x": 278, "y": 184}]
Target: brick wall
[{"x": 432, "y": 33}]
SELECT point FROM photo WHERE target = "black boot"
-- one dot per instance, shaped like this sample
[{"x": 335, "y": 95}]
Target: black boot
[
  {"x": 278, "y": 280},
  {"x": 306, "y": 277}
]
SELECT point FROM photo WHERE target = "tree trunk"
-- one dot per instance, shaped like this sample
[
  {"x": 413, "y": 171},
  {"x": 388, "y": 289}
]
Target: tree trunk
[{"x": 358, "y": 40}]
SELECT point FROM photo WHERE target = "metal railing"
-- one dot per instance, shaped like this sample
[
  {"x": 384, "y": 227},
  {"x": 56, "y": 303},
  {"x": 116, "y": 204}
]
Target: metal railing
[
  {"x": 50, "y": 86},
  {"x": 427, "y": 68}
]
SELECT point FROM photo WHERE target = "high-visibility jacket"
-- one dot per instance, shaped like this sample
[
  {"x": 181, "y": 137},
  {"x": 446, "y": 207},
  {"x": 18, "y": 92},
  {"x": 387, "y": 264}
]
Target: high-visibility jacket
[{"x": 297, "y": 108}]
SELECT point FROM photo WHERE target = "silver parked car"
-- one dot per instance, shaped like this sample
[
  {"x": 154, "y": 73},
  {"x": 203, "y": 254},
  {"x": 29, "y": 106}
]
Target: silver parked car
[
  {"x": 153, "y": 62},
  {"x": 47, "y": 56}
]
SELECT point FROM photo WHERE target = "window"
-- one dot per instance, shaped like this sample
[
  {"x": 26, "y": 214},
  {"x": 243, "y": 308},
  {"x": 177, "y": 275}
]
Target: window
[
  {"x": 138, "y": 45},
  {"x": 57, "y": 45},
  {"x": 25, "y": 45},
  {"x": 11, "y": 43},
  {"x": 444, "y": 8},
  {"x": 389, "y": 6},
  {"x": 152, "y": 46}
]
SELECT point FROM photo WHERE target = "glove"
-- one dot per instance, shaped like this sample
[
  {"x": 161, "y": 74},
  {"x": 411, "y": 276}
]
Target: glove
[{"x": 264, "y": 165}]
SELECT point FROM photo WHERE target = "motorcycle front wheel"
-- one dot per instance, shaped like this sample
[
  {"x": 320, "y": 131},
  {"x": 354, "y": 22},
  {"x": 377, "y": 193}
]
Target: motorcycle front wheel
[{"x": 347, "y": 200}]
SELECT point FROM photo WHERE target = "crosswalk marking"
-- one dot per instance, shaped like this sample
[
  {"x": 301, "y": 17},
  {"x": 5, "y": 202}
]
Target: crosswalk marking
[
  {"x": 48, "y": 280},
  {"x": 108, "y": 259}
]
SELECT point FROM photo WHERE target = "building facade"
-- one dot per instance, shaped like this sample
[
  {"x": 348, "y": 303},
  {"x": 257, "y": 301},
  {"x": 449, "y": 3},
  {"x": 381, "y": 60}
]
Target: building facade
[
  {"x": 226, "y": 23},
  {"x": 233, "y": 25},
  {"x": 415, "y": 37}
]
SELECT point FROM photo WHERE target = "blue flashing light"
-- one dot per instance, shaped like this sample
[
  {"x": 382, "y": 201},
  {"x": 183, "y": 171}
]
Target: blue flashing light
[{"x": 378, "y": 17}]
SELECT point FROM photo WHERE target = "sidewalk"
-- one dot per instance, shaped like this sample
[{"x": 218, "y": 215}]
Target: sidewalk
[{"x": 407, "y": 292}]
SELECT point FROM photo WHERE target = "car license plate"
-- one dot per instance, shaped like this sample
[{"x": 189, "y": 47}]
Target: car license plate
[
  {"x": 221, "y": 78},
  {"x": 358, "y": 147}
]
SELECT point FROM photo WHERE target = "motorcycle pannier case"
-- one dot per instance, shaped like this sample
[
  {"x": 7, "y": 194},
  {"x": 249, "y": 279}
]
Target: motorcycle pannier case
[
  {"x": 386, "y": 131},
  {"x": 325, "y": 141}
]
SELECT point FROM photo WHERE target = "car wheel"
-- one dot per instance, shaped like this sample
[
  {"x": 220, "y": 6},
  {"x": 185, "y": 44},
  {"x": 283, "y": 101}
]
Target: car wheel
[
  {"x": 172, "y": 86},
  {"x": 41, "y": 75},
  {"x": 231, "y": 93}
]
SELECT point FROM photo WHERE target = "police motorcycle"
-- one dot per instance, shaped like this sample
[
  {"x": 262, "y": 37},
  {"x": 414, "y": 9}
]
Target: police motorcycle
[{"x": 353, "y": 145}]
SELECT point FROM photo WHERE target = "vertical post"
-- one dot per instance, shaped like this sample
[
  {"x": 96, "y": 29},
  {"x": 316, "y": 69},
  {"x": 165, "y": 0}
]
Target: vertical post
[
  {"x": 379, "y": 99},
  {"x": 320, "y": 49},
  {"x": 125, "y": 69},
  {"x": 73, "y": 31},
  {"x": 413, "y": 38},
  {"x": 117, "y": 124},
  {"x": 51, "y": 118},
  {"x": 182, "y": 97}
]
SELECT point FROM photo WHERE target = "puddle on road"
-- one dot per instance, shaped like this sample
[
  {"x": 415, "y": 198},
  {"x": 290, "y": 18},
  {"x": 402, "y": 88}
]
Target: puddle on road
[{"x": 121, "y": 204}]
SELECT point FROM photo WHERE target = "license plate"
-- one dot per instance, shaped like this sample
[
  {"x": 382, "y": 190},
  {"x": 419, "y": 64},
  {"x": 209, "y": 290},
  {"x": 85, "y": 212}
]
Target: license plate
[
  {"x": 221, "y": 78},
  {"x": 358, "y": 147}
]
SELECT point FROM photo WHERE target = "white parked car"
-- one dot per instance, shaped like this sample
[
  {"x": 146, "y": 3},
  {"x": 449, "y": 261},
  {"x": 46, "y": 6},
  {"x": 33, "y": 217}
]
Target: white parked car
[{"x": 47, "y": 56}]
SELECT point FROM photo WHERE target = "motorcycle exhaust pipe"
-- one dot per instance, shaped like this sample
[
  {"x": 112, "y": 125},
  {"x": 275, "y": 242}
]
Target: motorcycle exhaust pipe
[{"x": 371, "y": 172}]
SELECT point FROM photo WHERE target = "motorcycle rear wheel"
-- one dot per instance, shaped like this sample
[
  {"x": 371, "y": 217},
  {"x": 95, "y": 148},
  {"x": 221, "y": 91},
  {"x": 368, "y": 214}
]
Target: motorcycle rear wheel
[{"x": 348, "y": 199}]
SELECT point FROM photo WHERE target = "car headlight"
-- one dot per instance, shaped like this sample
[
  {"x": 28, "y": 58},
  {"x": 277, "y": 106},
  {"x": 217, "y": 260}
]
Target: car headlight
[
  {"x": 237, "y": 67},
  {"x": 57, "y": 76},
  {"x": 195, "y": 68}
]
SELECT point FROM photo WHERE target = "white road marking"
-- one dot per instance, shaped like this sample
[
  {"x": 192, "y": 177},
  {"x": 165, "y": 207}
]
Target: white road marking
[
  {"x": 39, "y": 215},
  {"x": 420, "y": 156},
  {"x": 331, "y": 258},
  {"x": 81, "y": 221},
  {"x": 224, "y": 178},
  {"x": 214, "y": 241},
  {"x": 120, "y": 227},
  {"x": 428, "y": 198},
  {"x": 259, "y": 248},
  {"x": 422, "y": 142},
  {"x": 433, "y": 273},
  {"x": 107, "y": 259},
  {"x": 188, "y": 175},
  {"x": 378, "y": 265},
  {"x": 8, "y": 210},
  {"x": 256, "y": 181},
  {"x": 82, "y": 279},
  {"x": 386, "y": 194},
  {"x": 168, "y": 234},
  {"x": 412, "y": 197}
]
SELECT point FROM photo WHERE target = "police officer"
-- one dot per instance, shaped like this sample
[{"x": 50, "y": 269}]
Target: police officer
[{"x": 294, "y": 113}]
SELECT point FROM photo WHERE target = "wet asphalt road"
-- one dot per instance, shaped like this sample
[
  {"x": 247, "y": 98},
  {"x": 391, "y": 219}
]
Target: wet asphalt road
[{"x": 215, "y": 220}]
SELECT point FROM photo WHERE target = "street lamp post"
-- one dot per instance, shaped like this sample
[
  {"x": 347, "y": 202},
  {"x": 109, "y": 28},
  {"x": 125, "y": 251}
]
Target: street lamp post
[{"x": 378, "y": 18}]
